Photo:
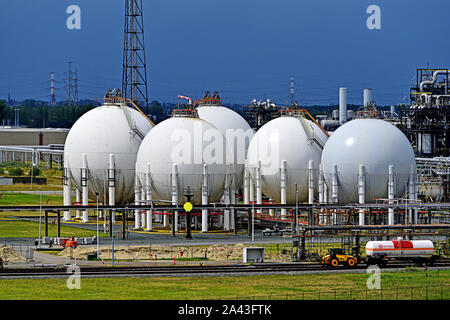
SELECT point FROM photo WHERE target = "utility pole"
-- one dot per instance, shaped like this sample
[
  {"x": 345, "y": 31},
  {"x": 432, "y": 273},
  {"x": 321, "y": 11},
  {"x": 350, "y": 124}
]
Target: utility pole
[
  {"x": 16, "y": 117},
  {"x": 134, "y": 72},
  {"x": 291, "y": 89},
  {"x": 188, "y": 193},
  {"x": 75, "y": 86},
  {"x": 69, "y": 85},
  {"x": 52, "y": 89}
]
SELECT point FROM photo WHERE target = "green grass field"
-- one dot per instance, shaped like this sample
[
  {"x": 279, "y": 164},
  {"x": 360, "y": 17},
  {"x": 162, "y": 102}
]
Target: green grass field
[
  {"x": 28, "y": 187},
  {"x": 20, "y": 199},
  {"x": 30, "y": 229},
  {"x": 395, "y": 285},
  {"x": 15, "y": 228}
]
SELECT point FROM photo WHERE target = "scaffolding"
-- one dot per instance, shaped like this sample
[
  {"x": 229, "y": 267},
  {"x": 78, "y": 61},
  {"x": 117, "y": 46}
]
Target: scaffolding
[
  {"x": 260, "y": 112},
  {"x": 425, "y": 122}
]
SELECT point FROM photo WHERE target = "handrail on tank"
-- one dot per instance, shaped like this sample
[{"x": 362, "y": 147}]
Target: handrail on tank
[
  {"x": 184, "y": 112},
  {"x": 211, "y": 101},
  {"x": 296, "y": 111},
  {"x": 368, "y": 112},
  {"x": 118, "y": 99},
  {"x": 133, "y": 104}
]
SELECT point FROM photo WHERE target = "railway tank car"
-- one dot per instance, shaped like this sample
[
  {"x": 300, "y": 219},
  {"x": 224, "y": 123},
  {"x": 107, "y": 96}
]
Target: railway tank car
[{"x": 420, "y": 251}]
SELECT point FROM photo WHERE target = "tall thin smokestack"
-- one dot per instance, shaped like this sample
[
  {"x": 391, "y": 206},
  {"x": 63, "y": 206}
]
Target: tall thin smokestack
[
  {"x": 342, "y": 105},
  {"x": 367, "y": 97},
  {"x": 392, "y": 111}
]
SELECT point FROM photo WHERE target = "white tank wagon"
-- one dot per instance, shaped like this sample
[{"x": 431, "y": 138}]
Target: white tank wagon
[
  {"x": 238, "y": 134},
  {"x": 180, "y": 152},
  {"x": 283, "y": 155},
  {"x": 379, "y": 252},
  {"x": 368, "y": 159},
  {"x": 100, "y": 153}
]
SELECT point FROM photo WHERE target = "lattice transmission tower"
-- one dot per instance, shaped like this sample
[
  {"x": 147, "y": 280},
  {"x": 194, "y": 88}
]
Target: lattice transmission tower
[{"x": 134, "y": 74}]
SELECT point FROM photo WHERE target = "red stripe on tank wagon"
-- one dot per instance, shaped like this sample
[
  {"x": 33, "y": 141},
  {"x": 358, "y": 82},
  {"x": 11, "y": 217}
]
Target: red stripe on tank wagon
[
  {"x": 402, "y": 244},
  {"x": 397, "y": 249}
]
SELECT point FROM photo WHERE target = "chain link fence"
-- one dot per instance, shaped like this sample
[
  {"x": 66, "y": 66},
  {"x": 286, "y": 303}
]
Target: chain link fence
[{"x": 430, "y": 292}]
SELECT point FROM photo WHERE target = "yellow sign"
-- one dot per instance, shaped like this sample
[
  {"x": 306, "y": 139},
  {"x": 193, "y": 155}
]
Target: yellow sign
[{"x": 188, "y": 206}]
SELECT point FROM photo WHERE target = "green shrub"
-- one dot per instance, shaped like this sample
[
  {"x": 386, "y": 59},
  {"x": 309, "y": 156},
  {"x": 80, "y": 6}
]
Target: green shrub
[
  {"x": 35, "y": 171},
  {"x": 15, "y": 172}
]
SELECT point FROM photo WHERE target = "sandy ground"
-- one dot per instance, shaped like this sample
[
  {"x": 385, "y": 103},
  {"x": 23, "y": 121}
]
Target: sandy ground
[
  {"x": 7, "y": 254},
  {"x": 154, "y": 252}
]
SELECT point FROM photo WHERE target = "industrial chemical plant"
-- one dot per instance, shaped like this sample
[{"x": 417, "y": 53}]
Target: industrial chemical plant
[
  {"x": 363, "y": 173},
  {"x": 351, "y": 189}
]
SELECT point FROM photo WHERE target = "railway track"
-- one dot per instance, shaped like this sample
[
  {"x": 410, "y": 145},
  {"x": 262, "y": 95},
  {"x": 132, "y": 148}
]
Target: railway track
[{"x": 62, "y": 271}]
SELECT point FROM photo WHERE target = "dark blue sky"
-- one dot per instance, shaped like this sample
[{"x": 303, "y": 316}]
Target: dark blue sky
[{"x": 243, "y": 48}]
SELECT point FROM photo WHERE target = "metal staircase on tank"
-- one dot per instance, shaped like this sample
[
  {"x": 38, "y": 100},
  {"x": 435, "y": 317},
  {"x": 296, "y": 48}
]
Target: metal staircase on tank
[{"x": 301, "y": 115}]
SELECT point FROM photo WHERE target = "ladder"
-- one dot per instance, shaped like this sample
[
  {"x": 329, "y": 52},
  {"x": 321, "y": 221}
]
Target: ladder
[
  {"x": 131, "y": 122},
  {"x": 310, "y": 135}
]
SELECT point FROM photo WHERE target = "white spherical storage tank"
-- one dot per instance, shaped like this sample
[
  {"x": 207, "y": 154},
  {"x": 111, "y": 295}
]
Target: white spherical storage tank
[
  {"x": 368, "y": 148},
  {"x": 290, "y": 141},
  {"x": 236, "y": 131},
  {"x": 183, "y": 144},
  {"x": 108, "y": 129}
]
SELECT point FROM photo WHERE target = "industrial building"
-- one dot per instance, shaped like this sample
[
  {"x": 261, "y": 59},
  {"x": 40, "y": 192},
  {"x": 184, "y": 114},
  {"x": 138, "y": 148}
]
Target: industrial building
[
  {"x": 16, "y": 136},
  {"x": 32, "y": 144}
]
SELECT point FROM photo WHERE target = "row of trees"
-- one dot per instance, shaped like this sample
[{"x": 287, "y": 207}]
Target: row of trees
[
  {"x": 39, "y": 115},
  {"x": 43, "y": 116}
]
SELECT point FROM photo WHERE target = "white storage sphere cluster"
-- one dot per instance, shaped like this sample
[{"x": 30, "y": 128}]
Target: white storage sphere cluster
[
  {"x": 98, "y": 133},
  {"x": 183, "y": 141},
  {"x": 374, "y": 143},
  {"x": 281, "y": 139},
  {"x": 236, "y": 131}
]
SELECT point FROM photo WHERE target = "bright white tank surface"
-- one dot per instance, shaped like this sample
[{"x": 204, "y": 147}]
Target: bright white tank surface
[
  {"x": 236, "y": 130},
  {"x": 376, "y": 144},
  {"x": 286, "y": 138},
  {"x": 99, "y": 132},
  {"x": 188, "y": 143}
]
